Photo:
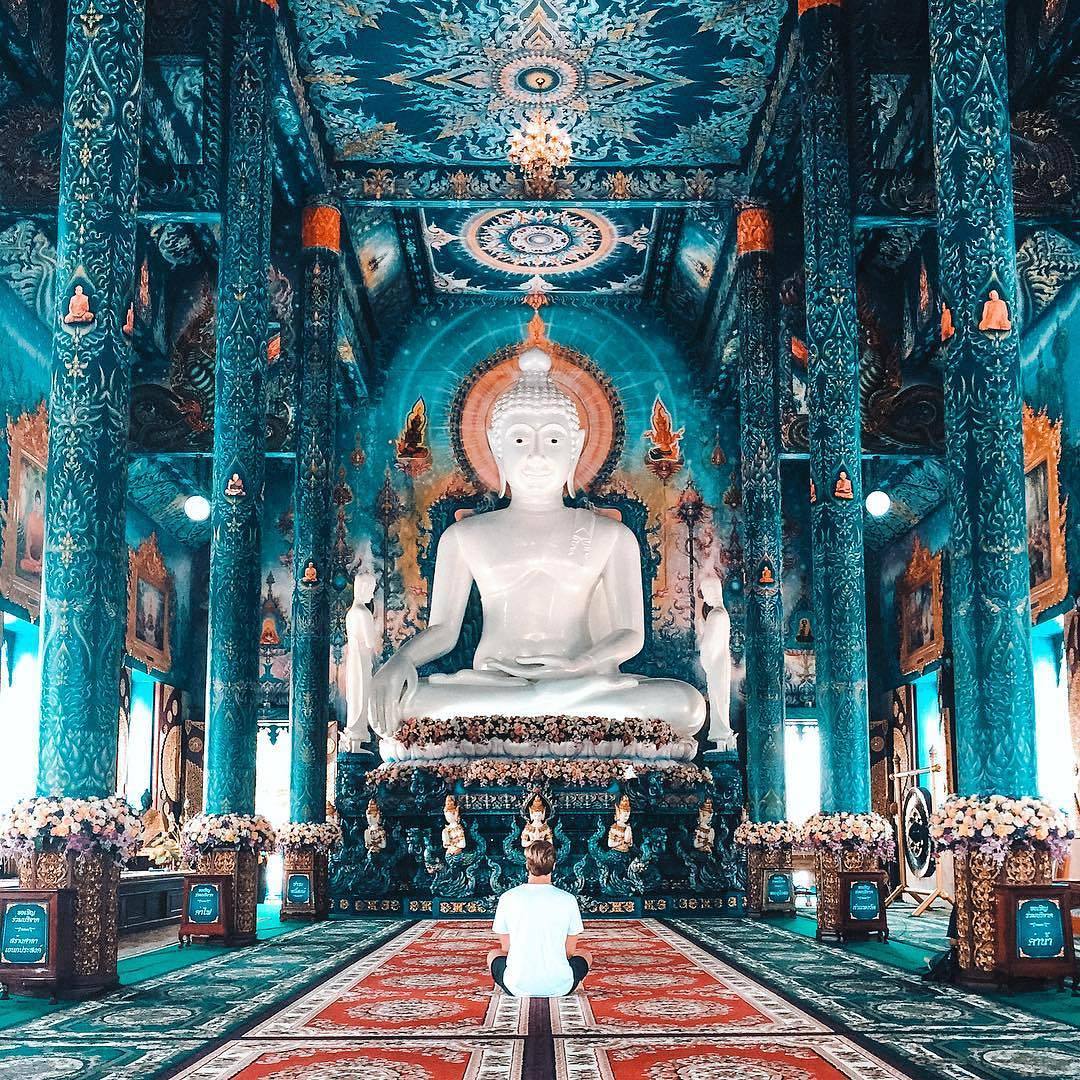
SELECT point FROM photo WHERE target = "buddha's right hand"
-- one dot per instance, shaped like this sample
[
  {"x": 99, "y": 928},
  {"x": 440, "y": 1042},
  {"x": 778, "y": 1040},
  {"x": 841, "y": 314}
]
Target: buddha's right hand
[{"x": 392, "y": 689}]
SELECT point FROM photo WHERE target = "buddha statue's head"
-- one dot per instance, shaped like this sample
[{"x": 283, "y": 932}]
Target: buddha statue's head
[
  {"x": 535, "y": 433},
  {"x": 712, "y": 591},
  {"x": 363, "y": 587}
]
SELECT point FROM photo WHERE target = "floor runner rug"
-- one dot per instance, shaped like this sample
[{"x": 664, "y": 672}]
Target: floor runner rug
[
  {"x": 927, "y": 1030},
  {"x": 431, "y": 980},
  {"x": 647, "y": 978},
  {"x": 154, "y": 1026}
]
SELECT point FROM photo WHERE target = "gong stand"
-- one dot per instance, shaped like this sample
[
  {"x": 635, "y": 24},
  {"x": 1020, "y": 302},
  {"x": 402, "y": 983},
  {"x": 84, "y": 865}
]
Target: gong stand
[{"x": 925, "y": 898}]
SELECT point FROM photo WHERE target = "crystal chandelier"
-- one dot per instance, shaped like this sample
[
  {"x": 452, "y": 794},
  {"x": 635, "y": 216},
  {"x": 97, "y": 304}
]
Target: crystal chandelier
[{"x": 540, "y": 150}]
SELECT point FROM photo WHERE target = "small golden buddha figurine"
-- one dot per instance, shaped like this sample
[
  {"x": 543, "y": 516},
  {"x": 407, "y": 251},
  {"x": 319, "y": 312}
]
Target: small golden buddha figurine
[
  {"x": 813, "y": 491},
  {"x": 995, "y": 315},
  {"x": 620, "y": 836},
  {"x": 843, "y": 489},
  {"x": 374, "y": 834},
  {"x": 79, "y": 308},
  {"x": 537, "y": 827},
  {"x": 704, "y": 833},
  {"x": 234, "y": 486},
  {"x": 311, "y": 575},
  {"x": 129, "y": 322},
  {"x": 947, "y": 329},
  {"x": 767, "y": 577},
  {"x": 453, "y": 835}
]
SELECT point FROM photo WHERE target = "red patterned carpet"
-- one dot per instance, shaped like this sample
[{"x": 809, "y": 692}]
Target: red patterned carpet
[{"x": 655, "y": 1007}]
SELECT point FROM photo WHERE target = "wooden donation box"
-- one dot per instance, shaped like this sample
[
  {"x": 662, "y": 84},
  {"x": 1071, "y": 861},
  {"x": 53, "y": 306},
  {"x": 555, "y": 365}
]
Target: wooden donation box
[
  {"x": 777, "y": 891},
  {"x": 862, "y": 904},
  {"x": 298, "y": 897},
  {"x": 207, "y": 908},
  {"x": 1034, "y": 932},
  {"x": 36, "y": 940}
]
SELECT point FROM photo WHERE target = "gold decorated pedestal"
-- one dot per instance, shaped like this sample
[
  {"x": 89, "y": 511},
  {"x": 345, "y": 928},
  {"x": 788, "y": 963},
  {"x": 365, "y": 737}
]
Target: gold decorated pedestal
[
  {"x": 976, "y": 876},
  {"x": 243, "y": 867},
  {"x": 758, "y": 860},
  {"x": 829, "y": 868},
  {"x": 308, "y": 868},
  {"x": 95, "y": 880}
]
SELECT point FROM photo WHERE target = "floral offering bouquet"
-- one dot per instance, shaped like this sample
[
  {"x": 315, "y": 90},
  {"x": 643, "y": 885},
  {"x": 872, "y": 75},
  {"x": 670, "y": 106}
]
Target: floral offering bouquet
[
  {"x": 210, "y": 832},
  {"x": 768, "y": 834},
  {"x": 74, "y": 826},
  {"x": 322, "y": 836},
  {"x": 868, "y": 833},
  {"x": 996, "y": 825}
]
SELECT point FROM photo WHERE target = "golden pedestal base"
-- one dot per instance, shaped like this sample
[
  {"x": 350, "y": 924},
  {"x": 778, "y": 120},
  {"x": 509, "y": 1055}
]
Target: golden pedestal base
[
  {"x": 758, "y": 860},
  {"x": 95, "y": 880},
  {"x": 305, "y": 892},
  {"x": 243, "y": 867},
  {"x": 829, "y": 868},
  {"x": 976, "y": 876}
]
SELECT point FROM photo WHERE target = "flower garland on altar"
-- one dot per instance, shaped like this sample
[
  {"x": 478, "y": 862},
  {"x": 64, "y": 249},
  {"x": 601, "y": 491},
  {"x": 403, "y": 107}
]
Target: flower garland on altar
[
  {"x": 323, "y": 836},
  {"x": 422, "y": 731},
  {"x": 500, "y": 772},
  {"x": 868, "y": 833},
  {"x": 998, "y": 825},
  {"x": 211, "y": 832},
  {"x": 769, "y": 834},
  {"x": 74, "y": 826}
]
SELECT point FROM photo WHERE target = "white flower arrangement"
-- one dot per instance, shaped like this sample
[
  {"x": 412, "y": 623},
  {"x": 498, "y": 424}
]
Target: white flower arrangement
[
  {"x": 869, "y": 833},
  {"x": 76, "y": 826},
  {"x": 211, "y": 832},
  {"x": 998, "y": 825},
  {"x": 769, "y": 834},
  {"x": 320, "y": 835}
]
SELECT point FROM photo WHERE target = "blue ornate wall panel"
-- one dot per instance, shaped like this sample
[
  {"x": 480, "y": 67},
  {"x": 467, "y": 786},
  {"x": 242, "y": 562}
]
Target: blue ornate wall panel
[
  {"x": 240, "y": 417},
  {"x": 85, "y": 557},
  {"x": 995, "y": 722},
  {"x": 834, "y": 406}
]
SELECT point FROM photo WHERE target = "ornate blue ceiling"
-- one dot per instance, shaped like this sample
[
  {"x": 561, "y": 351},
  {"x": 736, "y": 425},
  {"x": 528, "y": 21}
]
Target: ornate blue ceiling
[{"x": 441, "y": 82}]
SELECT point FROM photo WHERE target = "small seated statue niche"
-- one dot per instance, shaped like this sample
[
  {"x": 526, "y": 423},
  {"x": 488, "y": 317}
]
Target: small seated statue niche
[
  {"x": 453, "y": 835},
  {"x": 537, "y": 827},
  {"x": 704, "y": 833},
  {"x": 374, "y": 834},
  {"x": 620, "y": 836},
  {"x": 560, "y": 589}
]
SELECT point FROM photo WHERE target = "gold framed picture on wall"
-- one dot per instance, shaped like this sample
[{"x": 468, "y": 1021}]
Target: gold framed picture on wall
[
  {"x": 1049, "y": 572},
  {"x": 150, "y": 598},
  {"x": 24, "y": 523},
  {"x": 919, "y": 608}
]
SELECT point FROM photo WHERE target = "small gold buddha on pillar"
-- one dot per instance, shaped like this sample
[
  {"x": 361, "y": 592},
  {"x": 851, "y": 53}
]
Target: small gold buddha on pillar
[
  {"x": 453, "y": 834},
  {"x": 78, "y": 308},
  {"x": 843, "y": 489},
  {"x": 620, "y": 836},
  {"x": 995, "y": 314}
]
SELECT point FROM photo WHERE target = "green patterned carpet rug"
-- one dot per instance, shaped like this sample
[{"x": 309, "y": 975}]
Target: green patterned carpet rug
[{"x": 927, "y": 1030}]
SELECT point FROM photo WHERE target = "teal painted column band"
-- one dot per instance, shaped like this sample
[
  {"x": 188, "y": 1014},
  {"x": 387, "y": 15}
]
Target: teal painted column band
[
  {"x": 988, "y": 592},
  {"x": 240, "y": 417},
  {"x": 313, "y": 520},
  {"x": 762, "y": 535},
  {"x": 836, "y": 509},
  {"x": 85, "y": 556}
]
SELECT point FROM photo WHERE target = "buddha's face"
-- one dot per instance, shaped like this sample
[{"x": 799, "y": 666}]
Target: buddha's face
[
  {"x": 712, "y": 592},
  {"x": 537, "y": 817},
  {"x": 537, "y": 454}
]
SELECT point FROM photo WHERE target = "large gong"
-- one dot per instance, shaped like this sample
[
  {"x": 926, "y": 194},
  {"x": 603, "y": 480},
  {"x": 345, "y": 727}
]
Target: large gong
[{"x": 915, "y": 819}]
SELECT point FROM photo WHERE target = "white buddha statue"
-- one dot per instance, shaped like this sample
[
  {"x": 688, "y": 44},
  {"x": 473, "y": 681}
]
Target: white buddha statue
[
  {"x": 361, "y": 644},
  {"x": 560, "y": 587},
  {"x": 714, "y": 651}
]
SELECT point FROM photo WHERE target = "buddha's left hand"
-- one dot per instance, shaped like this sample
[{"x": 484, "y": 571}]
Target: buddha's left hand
[{"x": 539, "y": 668}]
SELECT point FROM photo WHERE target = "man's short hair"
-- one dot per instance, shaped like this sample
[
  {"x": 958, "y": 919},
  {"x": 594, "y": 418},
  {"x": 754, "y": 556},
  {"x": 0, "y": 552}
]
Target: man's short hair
[{"x": 540, "y": 858}]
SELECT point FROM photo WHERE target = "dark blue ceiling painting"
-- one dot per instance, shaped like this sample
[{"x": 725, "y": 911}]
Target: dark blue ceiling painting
[
  {"x": 675, "y": 83},
  {"x": 541, "y": 248}
]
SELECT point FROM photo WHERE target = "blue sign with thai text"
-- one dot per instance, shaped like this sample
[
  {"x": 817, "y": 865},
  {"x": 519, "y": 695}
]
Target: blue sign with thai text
[
  {"x": 778, "y": 888},
  {"x": 204, "y": 903},
  {"x": 864, "y": 901},
  {"x": 25, "y": 936},
  {"x": 1039, "y": 931},
  {"x": 298, "y": 889}
]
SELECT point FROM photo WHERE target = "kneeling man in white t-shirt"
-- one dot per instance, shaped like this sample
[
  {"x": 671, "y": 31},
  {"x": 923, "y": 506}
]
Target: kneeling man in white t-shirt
[{"x": 538, "y": 926}]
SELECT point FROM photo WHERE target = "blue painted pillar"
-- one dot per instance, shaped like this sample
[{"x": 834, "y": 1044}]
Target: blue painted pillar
[
  {"x": 762, "y": 536},
  {"x": 989, "y": 592},
  {"x": 836, "y": 509},
  {"x": 240, "y": 415},
  {"x": 313, "y": 520},
  {"x": 85, "y": 554}
]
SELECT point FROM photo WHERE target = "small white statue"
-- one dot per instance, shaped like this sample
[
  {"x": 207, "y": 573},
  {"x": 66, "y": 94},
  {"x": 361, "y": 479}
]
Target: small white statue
[
  {"x": 453, "y": 835},
  {"x": 361, "y": 643},
  {"x": 537, "y": 827},
  {"x": 704, "y": 833},
  {"x": 560, "y": 586},
  {"x": 715, "y": 654},
  {"x": 374, "y": 834},
  {"x": 620, "y": 836}
]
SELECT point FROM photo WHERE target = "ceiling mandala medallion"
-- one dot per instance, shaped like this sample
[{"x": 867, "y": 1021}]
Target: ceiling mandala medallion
[{"x": 540, "y": 241}]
